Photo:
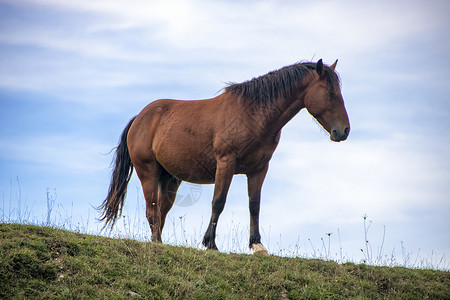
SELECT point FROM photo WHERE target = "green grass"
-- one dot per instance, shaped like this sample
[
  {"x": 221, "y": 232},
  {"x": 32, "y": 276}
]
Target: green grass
[{"x": 43, "y": 262}]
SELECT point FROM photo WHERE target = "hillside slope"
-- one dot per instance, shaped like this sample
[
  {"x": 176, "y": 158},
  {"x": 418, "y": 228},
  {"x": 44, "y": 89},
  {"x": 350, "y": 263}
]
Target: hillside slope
[{"x": 43, "y": 262}]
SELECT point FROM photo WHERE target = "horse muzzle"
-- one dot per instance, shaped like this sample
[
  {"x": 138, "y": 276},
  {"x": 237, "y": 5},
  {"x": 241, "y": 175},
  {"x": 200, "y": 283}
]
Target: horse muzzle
[{"x": 339, "y": 134}]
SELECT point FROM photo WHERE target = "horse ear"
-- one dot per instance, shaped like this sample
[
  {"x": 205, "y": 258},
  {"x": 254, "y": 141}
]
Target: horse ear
[
  {"x": 319, "y": 67},
  {"x": 333, "y": 66}
]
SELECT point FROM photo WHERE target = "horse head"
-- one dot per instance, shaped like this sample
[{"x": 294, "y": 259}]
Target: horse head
[{"x": 324, "y": 102}]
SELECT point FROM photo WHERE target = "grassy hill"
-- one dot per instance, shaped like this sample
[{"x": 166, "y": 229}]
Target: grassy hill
[{"x": 43, "y": 262}]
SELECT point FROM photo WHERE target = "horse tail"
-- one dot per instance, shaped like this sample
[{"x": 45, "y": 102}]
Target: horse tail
[{"x": 111, "y": 207}]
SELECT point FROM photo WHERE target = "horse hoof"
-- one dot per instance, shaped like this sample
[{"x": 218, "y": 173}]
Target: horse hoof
[{"x": 259, "y": 249}]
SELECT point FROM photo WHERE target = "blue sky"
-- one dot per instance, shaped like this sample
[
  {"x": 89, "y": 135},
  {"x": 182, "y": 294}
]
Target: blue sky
[{"x": 72, "y": 73}]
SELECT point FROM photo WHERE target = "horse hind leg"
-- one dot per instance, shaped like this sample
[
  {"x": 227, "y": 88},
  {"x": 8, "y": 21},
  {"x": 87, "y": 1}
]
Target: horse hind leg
[
  {"x": 149, "y": 174},
  {"x": 169, "y": 188}
]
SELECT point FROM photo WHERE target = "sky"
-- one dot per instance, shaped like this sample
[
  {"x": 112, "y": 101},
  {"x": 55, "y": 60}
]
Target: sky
[{"x": 72, "y": 74}]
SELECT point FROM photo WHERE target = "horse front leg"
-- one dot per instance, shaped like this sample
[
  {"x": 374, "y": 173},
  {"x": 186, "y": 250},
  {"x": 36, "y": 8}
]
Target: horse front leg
[
  {"x": 254, "y": 182},
  {"x": 224, "y": 175}
]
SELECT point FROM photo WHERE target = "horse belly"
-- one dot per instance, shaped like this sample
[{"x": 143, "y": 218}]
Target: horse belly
[
  {"x": 185, "y": 155},
  {"x": 190, "y": 170}
]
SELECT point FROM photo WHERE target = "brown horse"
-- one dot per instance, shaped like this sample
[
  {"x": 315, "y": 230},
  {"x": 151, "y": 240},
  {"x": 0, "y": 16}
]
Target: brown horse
[{"x": 208, "y": 141}]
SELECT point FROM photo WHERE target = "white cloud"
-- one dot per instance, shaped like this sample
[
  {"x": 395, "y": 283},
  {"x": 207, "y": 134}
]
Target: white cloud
[
  {"x": 122, "y": 43},
  {"x": 70, "y": 153},
  {"x": 323, "y": 185},
  {"x": 218, "y": 28}
]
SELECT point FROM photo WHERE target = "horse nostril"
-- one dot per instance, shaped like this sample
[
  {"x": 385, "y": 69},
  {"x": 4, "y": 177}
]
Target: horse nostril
[
  {"x": 334, "y": 133},
  {"x": 346, "y": 131}
]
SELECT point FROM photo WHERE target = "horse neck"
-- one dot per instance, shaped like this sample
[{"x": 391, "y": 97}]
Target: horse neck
[{"x": 283, "y": 110}]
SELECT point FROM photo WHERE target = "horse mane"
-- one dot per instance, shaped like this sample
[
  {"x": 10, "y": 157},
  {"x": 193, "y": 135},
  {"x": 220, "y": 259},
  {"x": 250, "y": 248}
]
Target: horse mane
[{"x": 262, "y": 91}]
